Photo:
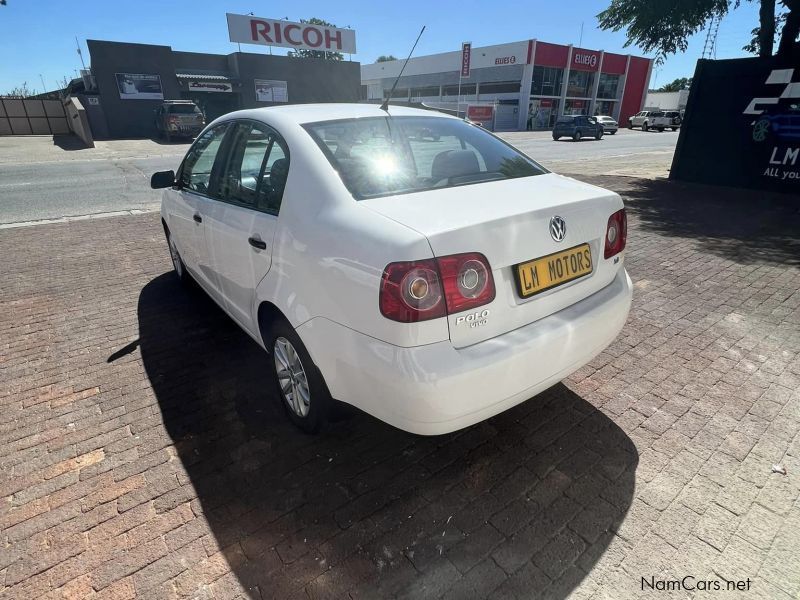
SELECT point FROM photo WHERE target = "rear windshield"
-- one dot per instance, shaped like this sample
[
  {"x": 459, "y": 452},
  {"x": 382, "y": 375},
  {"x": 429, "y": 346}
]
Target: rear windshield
[
  {"x": 382, "y": 156},
  {"x": 183, "y": 109}
]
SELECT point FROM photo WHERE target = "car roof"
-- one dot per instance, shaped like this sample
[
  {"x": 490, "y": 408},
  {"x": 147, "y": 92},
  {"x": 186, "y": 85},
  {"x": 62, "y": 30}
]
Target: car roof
[{"x": 310, "y": 113}]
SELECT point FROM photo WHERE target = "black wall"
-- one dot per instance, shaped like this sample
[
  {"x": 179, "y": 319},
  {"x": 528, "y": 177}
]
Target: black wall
[
  {"x": 718, "y": 143},
  {"x": 309, "y": 80},
  {"x": 130, "y": 118}
]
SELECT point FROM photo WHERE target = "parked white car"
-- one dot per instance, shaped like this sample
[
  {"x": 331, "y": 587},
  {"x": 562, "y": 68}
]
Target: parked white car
[
  {"x": 610, "y": 126},
  {"x": 430, "y": 280}
]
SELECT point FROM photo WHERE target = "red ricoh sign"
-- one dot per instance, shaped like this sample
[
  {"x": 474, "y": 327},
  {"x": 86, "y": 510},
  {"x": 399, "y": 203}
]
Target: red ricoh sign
[{"x": 246, "y": 29}]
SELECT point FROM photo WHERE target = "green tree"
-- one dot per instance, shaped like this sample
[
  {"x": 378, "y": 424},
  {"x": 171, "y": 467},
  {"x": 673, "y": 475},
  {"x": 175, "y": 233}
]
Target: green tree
[
  {"x": 386, "y": 58},
  {"x": 664, "y": 27},
  {"x": 317, "y": 53},
  {"x": 681, "y": 83}
]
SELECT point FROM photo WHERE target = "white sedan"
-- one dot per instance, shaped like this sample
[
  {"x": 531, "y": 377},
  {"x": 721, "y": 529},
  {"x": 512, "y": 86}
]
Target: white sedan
[{"x": 406, "y": 262}]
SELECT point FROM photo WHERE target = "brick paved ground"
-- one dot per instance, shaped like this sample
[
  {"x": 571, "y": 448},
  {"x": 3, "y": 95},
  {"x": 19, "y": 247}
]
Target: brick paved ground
[{"x": 141, "y": 453}]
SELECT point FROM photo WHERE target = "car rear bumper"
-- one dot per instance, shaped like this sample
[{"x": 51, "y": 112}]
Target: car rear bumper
[{"x": 436, "y": 388}]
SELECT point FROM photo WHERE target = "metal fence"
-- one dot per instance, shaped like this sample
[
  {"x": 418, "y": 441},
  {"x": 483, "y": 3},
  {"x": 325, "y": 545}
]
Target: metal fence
[{"x": 30, "y": 116}]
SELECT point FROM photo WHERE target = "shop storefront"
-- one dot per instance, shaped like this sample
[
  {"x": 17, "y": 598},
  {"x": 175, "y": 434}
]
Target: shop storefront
[{"x": 529, "y": 83}]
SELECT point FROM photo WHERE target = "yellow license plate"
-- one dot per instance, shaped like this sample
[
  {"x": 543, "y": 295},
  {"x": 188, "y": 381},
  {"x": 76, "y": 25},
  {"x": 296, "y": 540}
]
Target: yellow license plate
[{"x": 552, "y": 270}]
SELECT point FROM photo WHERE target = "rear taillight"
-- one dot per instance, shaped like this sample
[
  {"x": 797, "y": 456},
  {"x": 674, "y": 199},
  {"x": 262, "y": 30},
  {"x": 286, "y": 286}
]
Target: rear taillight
[
  {"x": 428, "y": 289},
  {"x": 616, "y": 233}
]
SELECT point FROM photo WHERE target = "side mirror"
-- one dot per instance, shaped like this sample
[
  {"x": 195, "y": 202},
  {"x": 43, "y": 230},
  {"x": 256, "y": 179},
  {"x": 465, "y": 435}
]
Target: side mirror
[{"x": 162, "y": 179}]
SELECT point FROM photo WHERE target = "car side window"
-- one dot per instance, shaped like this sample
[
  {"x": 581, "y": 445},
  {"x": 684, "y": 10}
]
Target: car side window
[
  {"x": 199, "y": 162},
  {"x": 255, "y": 172}
]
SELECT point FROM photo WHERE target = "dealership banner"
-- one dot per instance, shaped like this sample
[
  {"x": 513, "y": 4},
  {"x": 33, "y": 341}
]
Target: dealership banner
[
  {"x": 139, "y": 86},
  {"x": 742, "y": 125},
  {"x": 466, "y": 57},
  {"x": 247, "y": 29},
  {"x": 483, "y": 114},
  {"x": 271, "y": 90},
  {"x": 206, "y": 86}
]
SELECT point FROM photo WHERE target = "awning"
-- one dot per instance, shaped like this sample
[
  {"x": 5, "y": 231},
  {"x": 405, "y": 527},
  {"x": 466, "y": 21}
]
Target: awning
[{"x": 204, "y": 77}]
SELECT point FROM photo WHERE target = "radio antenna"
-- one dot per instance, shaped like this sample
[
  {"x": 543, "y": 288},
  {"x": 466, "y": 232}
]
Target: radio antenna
[{"x": 385, "y": 105}]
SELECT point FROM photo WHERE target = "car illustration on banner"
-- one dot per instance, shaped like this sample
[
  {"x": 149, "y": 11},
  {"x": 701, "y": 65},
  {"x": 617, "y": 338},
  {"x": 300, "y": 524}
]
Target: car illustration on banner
[{"x": 781, "y": 122}]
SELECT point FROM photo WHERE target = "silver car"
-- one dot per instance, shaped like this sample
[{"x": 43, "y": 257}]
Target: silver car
[{"x": 609, "y": 124}]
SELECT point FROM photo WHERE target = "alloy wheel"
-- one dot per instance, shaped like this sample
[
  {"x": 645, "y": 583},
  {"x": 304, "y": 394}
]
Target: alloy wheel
[{"x": 292, "y": 377}]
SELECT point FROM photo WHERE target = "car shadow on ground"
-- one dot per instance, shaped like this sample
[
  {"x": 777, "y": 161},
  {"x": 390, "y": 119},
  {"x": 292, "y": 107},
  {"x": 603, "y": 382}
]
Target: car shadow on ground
[
  {"x": 746, "y": 226},
  {"x": 365, "y": 508}
]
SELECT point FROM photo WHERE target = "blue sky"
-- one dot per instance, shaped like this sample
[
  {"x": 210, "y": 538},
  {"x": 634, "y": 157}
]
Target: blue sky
[{"x": 38, "y": 36}]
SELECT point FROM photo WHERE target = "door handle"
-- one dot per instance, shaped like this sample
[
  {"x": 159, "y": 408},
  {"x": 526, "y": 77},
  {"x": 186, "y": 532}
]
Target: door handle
[
  {"x": 257, "y": 243},
  {"x": 197, "y": 218}
]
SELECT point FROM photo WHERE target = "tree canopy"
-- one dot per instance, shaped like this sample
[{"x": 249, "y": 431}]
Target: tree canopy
[
  {"x": 300, "y": 53},
  {"x": 663, "y": 27},
  {"x": 386, "y": 58},
  {"x": 681, "y": 83}
]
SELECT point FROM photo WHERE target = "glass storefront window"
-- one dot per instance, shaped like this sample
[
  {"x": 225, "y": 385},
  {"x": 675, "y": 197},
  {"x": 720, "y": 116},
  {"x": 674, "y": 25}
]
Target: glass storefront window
[
  {"x": 547, "y": 81},
  {"x": 542, "y": 113},
  {"x": 576, "y": 107},
  {"x": 605, "y": 107},
  {"x": 607, "y": 86},
  {"x": 580, "y": 84}
]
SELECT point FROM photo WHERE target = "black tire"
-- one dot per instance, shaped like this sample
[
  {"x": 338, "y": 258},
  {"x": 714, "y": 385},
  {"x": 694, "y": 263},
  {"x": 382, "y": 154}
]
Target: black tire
[
  {"x": 612, "y": 132},
  {"x": 630, "y": 124},
  {"x": 645, "y": 127},
  {"x": 556, "y": 137},
  {"x": 320, "y": 401},
  {"x": 599, "y": 135},
  {"x": 674, "y": 129},
  {"x": 177, "y": 262},
  {"x": 576, "y": 137}
]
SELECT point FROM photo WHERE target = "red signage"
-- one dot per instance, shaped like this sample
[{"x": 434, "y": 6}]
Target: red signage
[
  {"x": 466, "y": 52},
  {"x": 480, "y": 114},
  {"x": 585, "y": 60}
]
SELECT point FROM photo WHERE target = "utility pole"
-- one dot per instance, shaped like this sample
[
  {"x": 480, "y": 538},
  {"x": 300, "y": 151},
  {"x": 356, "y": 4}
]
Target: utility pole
[{"x": 78, "y": 46}]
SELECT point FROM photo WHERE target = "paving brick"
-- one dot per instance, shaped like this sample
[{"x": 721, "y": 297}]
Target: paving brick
[{"x": 181, "y": 478}]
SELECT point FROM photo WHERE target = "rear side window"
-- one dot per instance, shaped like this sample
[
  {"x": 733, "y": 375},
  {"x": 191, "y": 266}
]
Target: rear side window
[
  {"x": 183, "y": 109},
  {"x": 257, "y": 165},
  {"x": 199, "y": 162},
  {"x": 382, "y": 156}
]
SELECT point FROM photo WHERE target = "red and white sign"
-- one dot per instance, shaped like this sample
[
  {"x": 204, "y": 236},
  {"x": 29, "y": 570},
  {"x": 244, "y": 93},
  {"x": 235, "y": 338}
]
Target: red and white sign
[
  {"x": 247, "y": 29},
  {"x": 585, "y": 60},
  {"x": 480, "y": 114},
  {"x": 466, "y": 56}
]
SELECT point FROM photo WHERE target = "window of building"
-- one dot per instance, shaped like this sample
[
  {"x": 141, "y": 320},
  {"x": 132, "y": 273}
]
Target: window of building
[
  {"x": 500, "y": 87},
  {"x": 580, "y": 84},
  {"x": 576, "y": 107},
  {"x": 425, "y": 92},
  {"x": 605, "y": 107},
  {"x": 467, "y": 89},
  {"x": 607, "y": 86},
  {"x": 547, "y": 81},
  {"x": 398, "y": 93}
]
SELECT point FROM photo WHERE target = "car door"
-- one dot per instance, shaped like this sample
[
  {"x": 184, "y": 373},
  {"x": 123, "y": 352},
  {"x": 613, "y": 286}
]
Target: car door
[
  {"x": 242, "y": 224},
  {"x": 192, "y": 203}
]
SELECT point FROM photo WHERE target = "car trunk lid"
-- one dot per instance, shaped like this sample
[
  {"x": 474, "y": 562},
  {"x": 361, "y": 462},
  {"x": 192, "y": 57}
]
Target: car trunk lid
[{"x": 509, "y": 223}]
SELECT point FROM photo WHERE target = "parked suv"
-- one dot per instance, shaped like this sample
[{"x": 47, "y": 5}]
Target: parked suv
[
  {"x": 672, "y": 120},
  {"x": 577, "y": 127},
  {"x": 179, "y": 118}
]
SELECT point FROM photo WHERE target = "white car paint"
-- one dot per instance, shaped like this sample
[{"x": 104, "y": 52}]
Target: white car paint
[{"x": 326, "y": 252}]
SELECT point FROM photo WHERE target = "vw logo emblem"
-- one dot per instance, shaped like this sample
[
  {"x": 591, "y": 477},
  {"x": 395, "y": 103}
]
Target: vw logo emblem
[{"x": 558, "y": 228}]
